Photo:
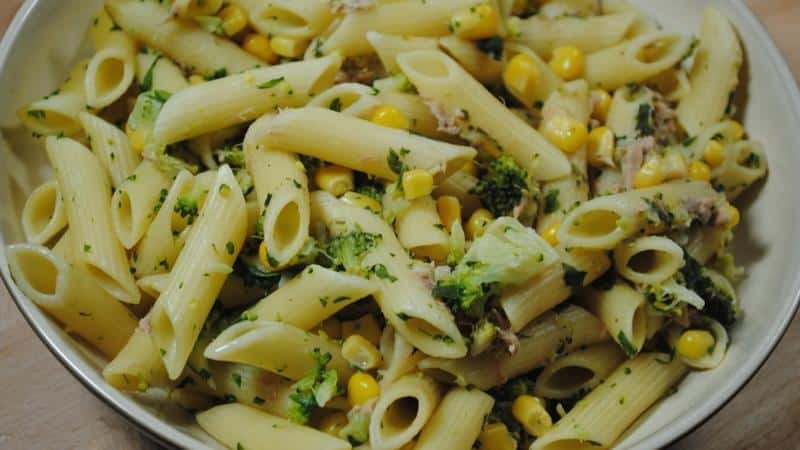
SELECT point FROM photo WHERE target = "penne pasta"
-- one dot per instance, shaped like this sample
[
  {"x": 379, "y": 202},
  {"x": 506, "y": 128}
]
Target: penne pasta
[
  {"x": 457, "y": 421},
  {"x": 622, "y": 310},
  {"x": 402, "y": 410},
  {"x": 111, "y": 70},
  {"x": 44, "y": 214},
  {"x": 112, "y": 148}
]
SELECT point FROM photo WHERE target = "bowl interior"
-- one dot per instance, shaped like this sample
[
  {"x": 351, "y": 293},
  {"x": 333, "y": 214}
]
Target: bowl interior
[{"x": 49, "y": 35}]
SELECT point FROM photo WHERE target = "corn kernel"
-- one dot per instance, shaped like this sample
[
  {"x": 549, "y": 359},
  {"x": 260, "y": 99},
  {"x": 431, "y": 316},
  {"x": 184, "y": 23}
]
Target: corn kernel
[
  {"x": 674, "y": 165},
  {"x": 361, "y": 388},
  {"x": 694, "y": 344},
  {"x": 263, "y": 256},
  {"x": 550, "y": 234},
  {"x": 366, "y": 326},
  {"x": 234, "y": 20},
  {"x": 737, "y": 130},
  {"x": 568, "y": 62},
  {"x": 734, "y": 216},
  {"x": 196, "y": 79},
  {"x": 417, "y": 183},
  {"x": 477, "y": 223},
  {"x": 449, "y": 209},
  {"x": 288, "y": 47},
  {"x": 137, "y": 138},
  {"x": 334, "y": 179},
  {"x": 258, "y": 46},
  {"x": 478, "y": 22},
  {"x": 530, "y": 413},
  {"x": 601, "y": 147},
  {"x": 649, "y": 175},
  {"x": 361, "y": 353},
  {"x": 601, "y": 104},
  {"x": 699, "y": 171},
  {"x": 471, "y": 168},
  {"x": 333, "y": 423},
  {"x": 566, "y": 133},
  {"x": 714, "y": 153},
  {"x": 521, "y": 76},
  {"x": 362, "y": 201},
  {"x": 495, "y": 436},
  {"x": 389, "y": 116}
]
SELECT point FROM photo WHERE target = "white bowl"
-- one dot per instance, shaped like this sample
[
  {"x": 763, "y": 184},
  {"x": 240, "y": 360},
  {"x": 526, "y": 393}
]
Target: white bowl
[{"x": 47, "y": 35}]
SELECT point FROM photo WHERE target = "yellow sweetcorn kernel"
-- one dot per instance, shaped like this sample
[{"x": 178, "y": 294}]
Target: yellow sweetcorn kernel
[
  {"x": 550, "y": 234},
  {"x": 694, "y": 344},
  {"x": 137, "y": 138},
  {"x": 417, "y": 183},
  {"x": 521, "y": 77},
  {"x": 288, "y": 47},
  {"x": 674, "y": 165},
  {"x": 263, "y": 256},
  {"x": 531, "y": 414},
  {"x": 333, "y": 423},
  {"x": 734, "y": 216},
  {"x": 479, "y": 22},
  {"x": 362, "y": 201},
  {"x": 601, "y": 147},
  {"x": 714, "y": 153},
  {"x": 699, "y": 171},
  {"x": 477, "y": 223},
  {"x": 737, "y": 130},
  {"x": 361, "y": 388},
  {"x": 389, "y": 116},
  {"x": 361, "y": 353},
  {"x": 566, "y": 133},
  {"x": 601, "y": 104},
  {"x": 234, "y": 19},
  {"x": 471, "y": 168},
  {"x": 449, "y": 209},
  {"x": 649, "y": 175},
  {"x": 334, "y": 179},
  {"x": 568, "y": 62},
  {"x": 258, "y": 45},
  {"x": 196, "y": 79},
  {"x": 495, "y": 436},
  {"x": 366, "y": 326}
]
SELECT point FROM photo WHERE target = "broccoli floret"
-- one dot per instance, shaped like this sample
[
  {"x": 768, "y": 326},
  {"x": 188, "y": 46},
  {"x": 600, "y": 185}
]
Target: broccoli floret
[
  {"x": 507, "y": 254},
  {"x": 187, "y": 207},
  {"x": 503, "y": 186},
  {"x": 369, "y": 186},
  {"x": 232, "y": 155},
  {"x": 314, "y": 390},
  {"x": 721, "y": 303},
  {"x": 346, "y": 252},
  {"x": 357, "y": 429}
]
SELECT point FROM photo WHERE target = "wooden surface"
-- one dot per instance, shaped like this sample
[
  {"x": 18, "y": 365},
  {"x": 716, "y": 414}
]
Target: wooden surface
[{"x": 44, "y": 407}]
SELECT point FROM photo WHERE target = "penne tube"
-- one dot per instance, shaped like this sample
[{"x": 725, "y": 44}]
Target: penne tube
[
  {"x": 578, "y": 372},
  {"x": 441, "y": 80},
  {"x": 388, "y": 46},
  {"x": 112, "y": 148},
  {"x": 138, "y": 366},
  {"x": 413, "y": 107},
  {"x": 714, "y": 75},
  {"x": 154, "y": 71},
  {"x": 242, "y": 98},
  {"x": 57, "y": 113},
  {"x": 298, "y": 19},
  {"x": 44, "y": 214},
  {"x": 405, "y": 300},
  {"x": 311, "y": 297},
  {"x": 420, "y": 230},
  {"x": 637, "y": 60},
  {"x": 242, "y": 427},
  {"x": 354, "y": 143},
  {"x": 623, "y": 311},
  {"x": 86, "y": 192},
  {"x": 745, "y": 164},
  {"x": 457, "y": 422},
  {"x": 200, "y": 271},
  {"x": 402, "y": 410},
  {"x": 603, "y": 415},
  {"x": 251, "y": 386},
  {"x": 111, "y": 70},
  {"x": 192, "y": 47},
  {"x": 276, "y": 347},
  {"x": 488, "y": 69},
  {"x": 548, "y": 81},
  {"x": 399, "y": 356},
  {"x": 70, "y": 295},
  {"x": 541, "y": 341},
  {"x": 589, "y": 34},
  {"x": 648, "y": 260},
  {"x": 134, "y": 203},
  {"x": 352, "y": 99}
]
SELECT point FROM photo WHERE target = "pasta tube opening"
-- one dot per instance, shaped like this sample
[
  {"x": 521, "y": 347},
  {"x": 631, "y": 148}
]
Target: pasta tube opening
[
  {"x": 111, "y": 71},
  {"x": 43, "y": 215},
  {"x": 37, "y": 272},
  {"x": 402, "y": 410},
  {"x": 353, "y": 99},
  {"x": 648, "y": 260},
  {"x": 284, "y": 230}
]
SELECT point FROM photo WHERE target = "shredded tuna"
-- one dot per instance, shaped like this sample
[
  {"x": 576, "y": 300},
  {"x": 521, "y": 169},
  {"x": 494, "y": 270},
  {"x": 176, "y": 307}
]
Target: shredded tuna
[
  {"x": 362, "y": 70},
  {"x": 666, "y": 124},
  {"x": 449, "y": 123},
  {"x": 635, "y": 155},
  {"x": 352, "y": 6},
  {"x": 504, "y": 332},
  {"x": 425, "y": 274},
  {"x": 144, "y": 325},
  {"x": 723, "y": 217},
  {"x": 703, "y": 209}
]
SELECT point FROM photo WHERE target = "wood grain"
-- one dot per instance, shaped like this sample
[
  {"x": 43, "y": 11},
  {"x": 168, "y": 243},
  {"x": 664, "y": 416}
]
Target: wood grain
[{"x": 44, "y": 407}]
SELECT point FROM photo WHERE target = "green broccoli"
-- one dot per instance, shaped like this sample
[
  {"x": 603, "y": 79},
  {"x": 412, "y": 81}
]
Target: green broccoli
[
  {"x": 357, "y": 429},
  {"x": 503, "y": 186},
  {"x": 346, "y": 252},
  {"x": 233, "y": 155},
  {"x": 714, "y": 288},
  {"x": 187, "y": 207},
  {"x": 369, "y": 186},
  {"x": 507, "y": 254},
  {"x": 314, "y": 390}
]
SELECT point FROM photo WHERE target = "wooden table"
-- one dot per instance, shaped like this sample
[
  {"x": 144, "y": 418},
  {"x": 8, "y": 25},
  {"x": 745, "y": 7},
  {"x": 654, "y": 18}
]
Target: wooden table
[{"x": 43, "y": 407}]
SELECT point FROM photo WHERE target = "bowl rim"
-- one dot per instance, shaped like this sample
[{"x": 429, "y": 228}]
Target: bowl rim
[{"x": 168, "y": 436}]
